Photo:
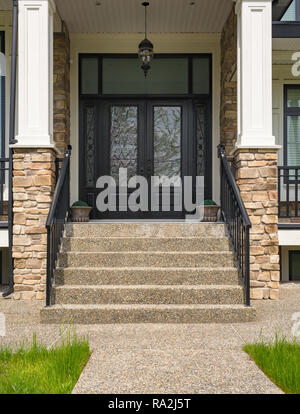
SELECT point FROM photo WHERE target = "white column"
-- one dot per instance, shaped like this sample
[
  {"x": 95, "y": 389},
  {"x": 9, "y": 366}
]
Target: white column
[
  {"x": 35, "y": 74},
  {"x": 254, "y": 73}
]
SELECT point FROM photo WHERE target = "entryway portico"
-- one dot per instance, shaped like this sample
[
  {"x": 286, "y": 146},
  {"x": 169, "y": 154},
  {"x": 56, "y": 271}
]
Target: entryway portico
[
  {"x": 116, "y": 28},
  {"x": 236, "y": 107}
]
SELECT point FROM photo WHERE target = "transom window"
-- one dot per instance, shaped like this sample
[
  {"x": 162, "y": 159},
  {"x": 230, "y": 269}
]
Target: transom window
[{"x": 121, "y": 75}]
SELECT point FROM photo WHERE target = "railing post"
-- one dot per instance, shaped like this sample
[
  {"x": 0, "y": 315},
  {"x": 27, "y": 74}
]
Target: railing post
[
  {"x": 49, "y": 275},
  {"x": 247, "y": 266}
]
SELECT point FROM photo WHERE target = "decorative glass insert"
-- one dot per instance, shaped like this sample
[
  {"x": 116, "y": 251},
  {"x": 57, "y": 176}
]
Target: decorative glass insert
[
  {"x": 200, "y": 112},
  {"x": 201, "y": 75},
  {"x": 167, "y": 141},
  {"x": 123, "y": 138},
  {"x": 90, "y": 145},
  {"x": 294, "y": 265},
  {"x": 124, "y": 76},
  {"x": 89, "y": 76},
  {"x": 293, "y": 140}
]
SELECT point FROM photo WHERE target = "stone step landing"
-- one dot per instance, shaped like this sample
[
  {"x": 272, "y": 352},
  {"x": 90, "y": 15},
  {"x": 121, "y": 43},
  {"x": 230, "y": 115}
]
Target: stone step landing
[{"x": 111, "y": 314}]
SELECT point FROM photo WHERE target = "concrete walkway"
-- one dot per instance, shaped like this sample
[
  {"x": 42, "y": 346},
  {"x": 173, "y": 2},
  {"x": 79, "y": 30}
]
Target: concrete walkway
[{"x": 166, "y": 358}]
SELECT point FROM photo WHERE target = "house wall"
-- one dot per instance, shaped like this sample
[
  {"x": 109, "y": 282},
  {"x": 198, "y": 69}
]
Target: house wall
[
  {"x": 6, "y": 27},
  {"x": 282, "y": 75},
  {"x": 127, "y": 43}
]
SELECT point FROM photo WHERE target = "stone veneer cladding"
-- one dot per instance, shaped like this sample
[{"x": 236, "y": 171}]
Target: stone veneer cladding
[
  {"x": 228, "y": 114},
  {"x": 256, "y": 176},
  {"x": 33, "y": 187},
  {"x": 61, "y": 79}
]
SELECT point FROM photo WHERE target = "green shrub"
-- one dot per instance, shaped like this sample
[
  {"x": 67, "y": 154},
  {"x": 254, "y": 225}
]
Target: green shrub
[
  {"x": 208, "y": 203},
  {"x": 80, "y": 204}
]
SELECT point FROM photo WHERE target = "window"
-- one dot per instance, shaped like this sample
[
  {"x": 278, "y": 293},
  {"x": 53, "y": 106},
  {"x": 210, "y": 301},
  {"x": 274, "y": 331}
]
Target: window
[
  {"x": 294, "y": 265},
  {"x": 2, "y": 93},
  {"x": 292, "y": 126},
  {"x": 122, "y": 75},
  {"x": 293, "y": 12}
]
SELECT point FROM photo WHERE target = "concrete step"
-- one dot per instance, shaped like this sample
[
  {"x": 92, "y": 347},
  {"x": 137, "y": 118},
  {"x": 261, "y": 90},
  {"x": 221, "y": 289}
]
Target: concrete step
[
  {"x": 149, "y": 259},
  {"x": 168, "y": 295},
  {"x": 164, "y": 244},
  {"x": 110, "y": 314},
  {"x": 146, "y": 276},
  {"x": 144, "y": 229}
]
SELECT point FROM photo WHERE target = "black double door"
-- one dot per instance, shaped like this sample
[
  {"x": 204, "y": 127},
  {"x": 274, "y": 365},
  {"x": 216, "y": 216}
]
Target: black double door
[{"x": 146, "y": 138}]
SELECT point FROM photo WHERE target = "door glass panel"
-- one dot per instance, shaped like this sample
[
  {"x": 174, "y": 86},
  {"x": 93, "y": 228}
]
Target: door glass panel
[
  {"x": 167, "y": 141},
  {"x": 201, "y": 76},
  {"x": 124, "y": 76},
  {"x": 89, "y": 76},
  {"x": 200, "y": 139},
  {"x": 90, "y": 120},
  {"x": 123, "y": 138}
]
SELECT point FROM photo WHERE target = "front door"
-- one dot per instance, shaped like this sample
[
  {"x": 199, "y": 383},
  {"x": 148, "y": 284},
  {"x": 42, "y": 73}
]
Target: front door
[{"x": 148, "y": 138}]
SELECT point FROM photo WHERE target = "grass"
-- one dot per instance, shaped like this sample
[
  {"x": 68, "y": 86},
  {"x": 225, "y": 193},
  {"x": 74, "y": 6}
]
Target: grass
[
  {"x": 38, "y": 370},
  {"x": 280, "y": 361}
]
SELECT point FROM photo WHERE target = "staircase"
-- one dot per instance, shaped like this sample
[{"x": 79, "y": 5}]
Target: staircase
[{"x": 146, "y": 273}]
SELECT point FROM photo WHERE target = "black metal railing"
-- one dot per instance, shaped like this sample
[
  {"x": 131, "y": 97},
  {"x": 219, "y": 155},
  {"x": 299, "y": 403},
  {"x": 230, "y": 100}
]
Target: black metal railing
[
  {"x": 237, "y": 221},
  {"x": 4, "y": 190},
  {"x": 288, "y": 192},
  {"x": 57, "y": 218}
]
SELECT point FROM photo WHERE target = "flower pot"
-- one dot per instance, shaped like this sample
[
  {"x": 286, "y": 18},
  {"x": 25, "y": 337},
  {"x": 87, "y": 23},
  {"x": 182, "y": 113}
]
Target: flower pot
[
  {"x": 80, "y": 214},
  {"x": 209, "y": 214}
]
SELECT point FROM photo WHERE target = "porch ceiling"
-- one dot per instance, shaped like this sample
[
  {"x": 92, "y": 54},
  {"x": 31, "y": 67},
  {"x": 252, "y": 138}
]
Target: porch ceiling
[{"x": 127, "y": 16}]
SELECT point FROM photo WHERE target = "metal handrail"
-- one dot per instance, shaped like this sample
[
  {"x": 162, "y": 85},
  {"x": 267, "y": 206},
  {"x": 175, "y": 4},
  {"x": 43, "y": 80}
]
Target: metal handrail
[
  {"x": 288, "y": 192},
  {"x": 57, "y": 218},
  {"x": 237, "y": 220}
]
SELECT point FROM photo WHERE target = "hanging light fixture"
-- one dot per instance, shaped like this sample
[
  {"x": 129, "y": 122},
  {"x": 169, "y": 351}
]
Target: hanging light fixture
[{"x": 146, "y": 47}]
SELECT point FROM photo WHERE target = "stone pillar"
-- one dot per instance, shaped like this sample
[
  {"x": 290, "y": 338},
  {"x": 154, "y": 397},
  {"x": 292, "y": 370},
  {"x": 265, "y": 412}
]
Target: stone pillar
[
  {"x": 256, "y": 176},
  {"x": 256, "y": 152},
  {"x": 35, "y": 152},
  {"x": 33, "y": 186},
  {"x": 61, "y": 80}
]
